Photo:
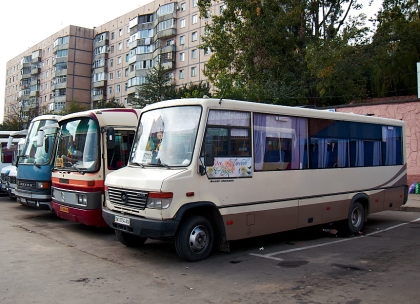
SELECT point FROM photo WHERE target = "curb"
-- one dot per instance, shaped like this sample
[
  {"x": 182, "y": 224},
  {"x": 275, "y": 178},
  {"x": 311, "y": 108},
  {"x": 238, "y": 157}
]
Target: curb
[{"x": 409, "y": 208}]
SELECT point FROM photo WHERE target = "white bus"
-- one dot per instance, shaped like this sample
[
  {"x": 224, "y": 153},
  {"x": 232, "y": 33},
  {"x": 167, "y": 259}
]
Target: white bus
[{"x": 208, "y": 171}]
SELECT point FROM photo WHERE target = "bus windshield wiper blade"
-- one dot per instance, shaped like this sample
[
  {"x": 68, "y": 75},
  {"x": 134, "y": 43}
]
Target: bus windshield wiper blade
[
  {"x": 77, "y": 169},
  {"x": 137, "y": 164}
]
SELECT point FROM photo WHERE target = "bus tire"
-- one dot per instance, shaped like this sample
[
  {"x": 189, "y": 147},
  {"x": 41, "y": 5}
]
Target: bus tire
[
  {"x": 194, "y": 239},
  {"x": 356, "y": 218},
  {"x": 129, "y": 240}
]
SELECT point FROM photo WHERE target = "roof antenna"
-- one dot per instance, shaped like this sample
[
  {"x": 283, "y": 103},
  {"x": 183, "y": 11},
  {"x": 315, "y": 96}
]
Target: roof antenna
[{"x": 221, "y": 97}]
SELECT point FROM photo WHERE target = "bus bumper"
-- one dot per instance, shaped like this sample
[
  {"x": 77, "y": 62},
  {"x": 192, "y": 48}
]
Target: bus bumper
[
  {"x": 39, "y": 201},
  {"x": 92, "y": 217},
  {"x": 141, "y": 226}
]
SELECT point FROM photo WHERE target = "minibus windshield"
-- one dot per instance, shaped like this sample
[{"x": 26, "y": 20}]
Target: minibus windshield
[
  {"x": 78, "y": 146},
  {"x": 166, "y": 137},
  {"x": 31, "y": 153}
]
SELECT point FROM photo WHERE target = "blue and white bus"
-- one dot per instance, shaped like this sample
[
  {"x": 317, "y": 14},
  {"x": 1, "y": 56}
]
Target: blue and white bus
[{"x": 35, "y": 164}]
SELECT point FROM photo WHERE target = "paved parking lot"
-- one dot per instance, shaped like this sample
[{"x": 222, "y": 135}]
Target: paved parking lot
[{"x": 48, "y": 260}]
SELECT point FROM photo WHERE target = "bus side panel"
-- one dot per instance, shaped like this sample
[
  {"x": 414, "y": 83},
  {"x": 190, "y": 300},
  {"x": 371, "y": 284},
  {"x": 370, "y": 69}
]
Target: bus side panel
[
  {"x": 394, "y": 198},
  {"x": 310, "y": 211},
  {"x": 256, "y": 223}
]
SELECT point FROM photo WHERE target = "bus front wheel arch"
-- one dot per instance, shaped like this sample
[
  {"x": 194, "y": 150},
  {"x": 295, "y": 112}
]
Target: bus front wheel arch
[{"x": 194, "y": 239}]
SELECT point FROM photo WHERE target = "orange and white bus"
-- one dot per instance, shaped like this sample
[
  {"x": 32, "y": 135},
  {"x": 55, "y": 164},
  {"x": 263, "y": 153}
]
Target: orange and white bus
[
  {"x": 91, "y": 144},
  {"x": 208, "y": 171}
]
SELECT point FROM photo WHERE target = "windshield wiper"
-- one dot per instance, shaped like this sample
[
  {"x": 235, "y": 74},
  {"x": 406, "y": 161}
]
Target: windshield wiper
[
  {"x": 137, "y": 164},
  {"x": 77, "y": 169}
]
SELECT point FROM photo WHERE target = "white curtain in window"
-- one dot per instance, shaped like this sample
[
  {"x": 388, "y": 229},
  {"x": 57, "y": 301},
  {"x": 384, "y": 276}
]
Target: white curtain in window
[
  {"x": 322, "y": 152},
  {"x": 233, "y": 118},
  {"x": 389, "y": 135},
  {"x": 298, "y": 148}
]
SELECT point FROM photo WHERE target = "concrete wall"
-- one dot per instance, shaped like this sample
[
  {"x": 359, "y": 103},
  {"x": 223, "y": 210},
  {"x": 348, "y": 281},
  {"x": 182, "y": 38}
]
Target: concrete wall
[{"x": 409, "y": 112}]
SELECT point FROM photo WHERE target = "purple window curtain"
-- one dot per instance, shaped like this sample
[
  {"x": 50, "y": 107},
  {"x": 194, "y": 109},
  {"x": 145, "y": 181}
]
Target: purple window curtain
[
  {"x": 298, "y": 153},
  {"x": 259, "y": 140},
  {"x": 342, "y": 152},
  {"x": 376, "y": 153},
  {"x": 322, "y": 152},
  {"x": 360, "y": 153},
  {"x": 389, "y": 135}
]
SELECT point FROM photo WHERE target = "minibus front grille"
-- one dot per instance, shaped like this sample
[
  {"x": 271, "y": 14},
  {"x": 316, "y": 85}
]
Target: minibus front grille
[{"x": 128, "y": 198}]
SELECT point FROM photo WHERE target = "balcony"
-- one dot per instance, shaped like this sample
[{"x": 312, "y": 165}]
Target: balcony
[
  {"x": 102, "y": 69},
  {"x": 166, "y": 33},
  {"x": 100, "y": 43},
  {"x": 59, "y": 73},
  {"x": 99, "y": 84},
  {"x": 61, "y": 98},
  {"x": 58, "y": 60},
  {"x": 34, "y": 93},
  {"x": 26, "y": 73},
  {"x": 131, "y": 90},
  {"x": 56, "y": 86},
  {"x": 35, "y": 70},
  {"x": 165, "y": 49},
  {"x": 99, "y": 97},
  {"x": 60, "y": 47},
  {"x": 35, "y": 82}
]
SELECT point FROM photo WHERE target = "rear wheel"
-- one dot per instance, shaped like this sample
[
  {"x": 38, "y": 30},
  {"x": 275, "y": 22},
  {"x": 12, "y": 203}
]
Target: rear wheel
[
  {"x": 356, "y": 218},
  {"x": 129, "y": 240},
  {"x": 194, "y": 239}
]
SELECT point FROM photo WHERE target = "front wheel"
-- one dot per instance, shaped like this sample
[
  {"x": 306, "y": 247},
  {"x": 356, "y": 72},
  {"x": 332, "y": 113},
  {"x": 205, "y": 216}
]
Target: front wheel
[
  {"x": 130, "y": 240},
  {"x": 356, "y": 218},
  {"x": 194, "y": 239}
]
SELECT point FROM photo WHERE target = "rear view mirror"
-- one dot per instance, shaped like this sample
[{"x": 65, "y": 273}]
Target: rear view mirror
[
  {"x": 40, "y": 138},
  {"x": 9, "y": 142},
  {"x": 110, "y": 134},
  {"x": 208, "y": 155}
]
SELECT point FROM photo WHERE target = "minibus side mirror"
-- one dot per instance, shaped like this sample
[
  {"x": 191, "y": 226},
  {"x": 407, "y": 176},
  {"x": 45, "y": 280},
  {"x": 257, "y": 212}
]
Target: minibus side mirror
[
  {"x": 208, "y": 155},
  {"x": 9, "y": 142},
  {"x": 110, "y": 134},
  {"x": 40, "y": 138}
]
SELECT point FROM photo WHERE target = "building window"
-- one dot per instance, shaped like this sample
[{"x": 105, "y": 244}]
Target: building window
[
  {"x": 181, "y": 56},
  {"x": 127, "y": 43},
  {"x": 183, "y": 7},
  {"x": 193, "y": 71},
  {"x": 118, "y": 89},
  {"x": 112, "y": 35},
  {"x": 127, "y": 57},
  {"x": 194, "y": 53},
  {"x": 222, "y": 8},
  {"x": 111, "y": 76},
  {"x": 182, "y": 40},
  {"x": 194, "y": 3},
  {"x": 112, "y": 49},
  {"x": 118, "y": 74},
  {"x": 194, "y": 36},
  {"x": 120, "y": 46},
  {"x": 126, "y": 72},
  {"x": 207, "y": 51},
  {"x": 126, "y": 86},
  {"x": 111, "y": 62},
  {"x": 181, "y": 74},
  {"x": 110, "y": 90},
  {"x": 119, "y": 60},
  {"x": 194, "y": 19},
  {"x": 120, "y": 32},
  {"x": 182, "y": 23}
]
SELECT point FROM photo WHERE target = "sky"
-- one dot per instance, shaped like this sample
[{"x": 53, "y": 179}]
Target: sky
[{"x": 24, "y": 23}]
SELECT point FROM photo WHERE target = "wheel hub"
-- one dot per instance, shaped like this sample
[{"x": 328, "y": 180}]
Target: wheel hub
[{"x": 198, "y": 239}]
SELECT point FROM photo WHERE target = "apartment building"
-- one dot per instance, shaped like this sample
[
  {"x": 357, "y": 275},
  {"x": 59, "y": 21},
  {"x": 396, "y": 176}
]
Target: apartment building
[{"x": 111, "y": 60}]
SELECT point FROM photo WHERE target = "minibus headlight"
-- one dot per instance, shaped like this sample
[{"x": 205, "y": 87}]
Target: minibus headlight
[
  {"x": 42, "y": 185},
  {"x": 106, "y": 194},
  {"x": 82, "y": 199},
  {"x": 159, "y": 200}
]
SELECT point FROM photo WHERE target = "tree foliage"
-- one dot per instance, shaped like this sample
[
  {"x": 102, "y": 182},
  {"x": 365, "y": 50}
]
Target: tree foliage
[
  {"x": 110, "y": 103},
  {"x": 158, "y": 87},
  {"x": 289, "y": 52},
  {"x": 395, "y": 49}
]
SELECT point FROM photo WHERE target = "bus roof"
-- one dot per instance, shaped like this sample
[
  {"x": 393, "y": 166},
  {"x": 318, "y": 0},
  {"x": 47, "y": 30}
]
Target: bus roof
[{"x": 229, "y": 104}]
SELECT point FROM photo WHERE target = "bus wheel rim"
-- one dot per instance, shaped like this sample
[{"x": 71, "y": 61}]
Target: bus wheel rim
[{"x": 198, "y": 239}]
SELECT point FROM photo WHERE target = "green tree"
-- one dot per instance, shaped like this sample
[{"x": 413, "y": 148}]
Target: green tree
[
  {"x": 193, "y": 90},
  {"x": 396, "y": 49},
  {"x": 158, "y": 87},
  {"x": 110, "y": 103},
  {"x": 74, "y": 106},
  {"x": 260, "y": 48}
]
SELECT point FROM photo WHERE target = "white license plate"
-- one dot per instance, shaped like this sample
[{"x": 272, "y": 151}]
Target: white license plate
[
  {"x": 23, "y": 200},
  {"x": 122, "y": 220}
]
